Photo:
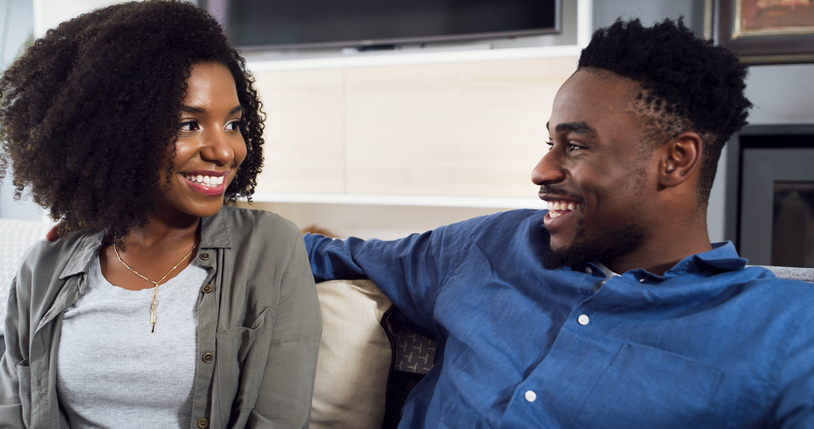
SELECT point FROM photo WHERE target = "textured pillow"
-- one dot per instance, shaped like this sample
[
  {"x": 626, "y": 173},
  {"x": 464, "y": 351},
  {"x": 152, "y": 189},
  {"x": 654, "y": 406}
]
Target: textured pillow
[
  {"x": 16, "y": 237},
  {"x": 354, "y": 356}
]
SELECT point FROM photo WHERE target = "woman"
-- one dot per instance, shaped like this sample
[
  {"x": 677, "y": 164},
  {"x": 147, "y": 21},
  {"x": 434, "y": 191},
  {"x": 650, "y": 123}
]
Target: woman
[{"x": 159, "y": 306}]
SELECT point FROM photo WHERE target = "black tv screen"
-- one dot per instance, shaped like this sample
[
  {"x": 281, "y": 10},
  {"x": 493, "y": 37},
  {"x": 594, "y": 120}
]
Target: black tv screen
[{"x": 302, "y": 24}]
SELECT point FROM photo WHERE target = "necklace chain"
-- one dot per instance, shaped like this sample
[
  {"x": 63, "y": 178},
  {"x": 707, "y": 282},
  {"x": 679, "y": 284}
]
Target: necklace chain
[{"x": 155, "y": 289}]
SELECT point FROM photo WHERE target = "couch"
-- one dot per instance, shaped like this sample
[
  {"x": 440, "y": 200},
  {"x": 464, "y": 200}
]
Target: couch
[{"x": 369, "y": 359}]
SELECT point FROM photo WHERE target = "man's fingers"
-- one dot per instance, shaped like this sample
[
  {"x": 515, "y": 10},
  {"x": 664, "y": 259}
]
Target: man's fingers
[{"x": 53, "y": 233}]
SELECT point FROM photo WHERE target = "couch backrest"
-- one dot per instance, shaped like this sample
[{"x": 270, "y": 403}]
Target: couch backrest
[
  {"x": 16, "y": 236},
  {"x": 794, "y": 273}
]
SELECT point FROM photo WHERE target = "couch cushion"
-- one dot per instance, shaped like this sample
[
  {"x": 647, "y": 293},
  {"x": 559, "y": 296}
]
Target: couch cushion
[{"x": 355, "y": 356}]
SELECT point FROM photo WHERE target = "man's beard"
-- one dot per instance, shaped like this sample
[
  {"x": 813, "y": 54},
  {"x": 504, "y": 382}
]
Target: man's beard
[{"x": 612, "y": 243}]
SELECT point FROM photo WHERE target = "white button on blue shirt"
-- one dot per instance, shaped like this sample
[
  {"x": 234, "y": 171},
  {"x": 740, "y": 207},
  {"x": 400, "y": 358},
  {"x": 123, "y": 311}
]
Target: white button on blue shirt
[{"x": 530, "y": 396}]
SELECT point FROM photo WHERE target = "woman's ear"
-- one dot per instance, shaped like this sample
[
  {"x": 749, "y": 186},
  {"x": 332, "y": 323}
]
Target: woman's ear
[{"x": 681, "y": 159}]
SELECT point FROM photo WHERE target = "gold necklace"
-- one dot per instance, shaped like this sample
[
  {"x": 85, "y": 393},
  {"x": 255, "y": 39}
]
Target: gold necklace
[{"x": 155, "y": 289}]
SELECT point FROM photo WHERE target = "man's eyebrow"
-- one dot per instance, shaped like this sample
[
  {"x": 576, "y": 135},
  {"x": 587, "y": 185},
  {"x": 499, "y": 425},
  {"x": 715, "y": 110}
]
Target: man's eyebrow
[
  {"x": 193, "y": 109},
  {"x": 575, "y": 127}
]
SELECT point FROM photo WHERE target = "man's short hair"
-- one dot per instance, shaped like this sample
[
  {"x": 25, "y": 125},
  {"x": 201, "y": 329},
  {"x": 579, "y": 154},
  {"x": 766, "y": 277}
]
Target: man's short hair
[{"x": 687, "y": 83}]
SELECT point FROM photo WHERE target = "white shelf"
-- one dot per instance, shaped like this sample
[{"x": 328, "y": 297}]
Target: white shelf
[
  {"x": 399, "y": 200},
  {"x": 410, "y": 58}
]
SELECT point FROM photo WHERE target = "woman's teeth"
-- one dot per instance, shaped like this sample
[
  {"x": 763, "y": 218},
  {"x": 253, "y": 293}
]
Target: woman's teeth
[{"x": 205, "y": 180}]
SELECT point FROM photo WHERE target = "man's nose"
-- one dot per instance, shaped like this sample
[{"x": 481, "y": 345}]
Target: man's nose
[{"x": 548, "y": 170}]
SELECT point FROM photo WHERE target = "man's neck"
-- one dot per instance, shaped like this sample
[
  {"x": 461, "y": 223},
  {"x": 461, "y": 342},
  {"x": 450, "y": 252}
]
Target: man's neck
[{"x": 661, "y": 253}]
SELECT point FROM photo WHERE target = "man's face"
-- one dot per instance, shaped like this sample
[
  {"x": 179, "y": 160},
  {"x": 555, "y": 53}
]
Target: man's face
[{"x": 598, "y": 176}]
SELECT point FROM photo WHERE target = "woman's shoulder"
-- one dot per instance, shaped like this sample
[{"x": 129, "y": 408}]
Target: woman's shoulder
[
  {"x": 262, "y": 223},
  {"x": 45, "y": 252}
]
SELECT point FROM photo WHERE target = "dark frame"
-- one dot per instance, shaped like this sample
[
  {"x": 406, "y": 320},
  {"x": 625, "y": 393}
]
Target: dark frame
[
  {"x": 361, "y": 33},
  {"x": 759, "y": 47},
  {"x": 751, "y": 136}
]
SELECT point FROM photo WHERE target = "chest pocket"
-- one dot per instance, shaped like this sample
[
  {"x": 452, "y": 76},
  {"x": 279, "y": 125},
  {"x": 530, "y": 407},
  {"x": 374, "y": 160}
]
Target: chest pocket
[
  {"x": 648, "y": 387},
  {"x": 238, "y": 348}
]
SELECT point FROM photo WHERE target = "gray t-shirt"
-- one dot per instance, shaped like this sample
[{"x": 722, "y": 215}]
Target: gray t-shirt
[{"x": 112, "y": 371}]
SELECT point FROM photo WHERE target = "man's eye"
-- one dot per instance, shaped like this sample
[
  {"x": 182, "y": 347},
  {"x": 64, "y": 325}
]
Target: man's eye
[
  {"x": 572, "y": 147},
  {"x": 550, "y": 144},
  {"x": 190, "y": 126}
]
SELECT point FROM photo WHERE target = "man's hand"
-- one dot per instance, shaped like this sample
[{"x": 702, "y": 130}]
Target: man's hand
[{"x": 52, "y": 233}]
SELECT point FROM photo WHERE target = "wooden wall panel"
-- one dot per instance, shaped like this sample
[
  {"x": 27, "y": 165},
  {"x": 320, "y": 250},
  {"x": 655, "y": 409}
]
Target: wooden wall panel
[
  {"x": 474, "y": 129},
  {"x": 464, "y": 129},
  {"x": 304, "y": 149}
]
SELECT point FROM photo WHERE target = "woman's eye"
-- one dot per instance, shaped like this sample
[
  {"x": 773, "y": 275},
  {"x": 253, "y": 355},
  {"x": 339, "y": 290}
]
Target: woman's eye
[
  {"x": 190, "y": 126},
  {"x": 234, "y": 125}
]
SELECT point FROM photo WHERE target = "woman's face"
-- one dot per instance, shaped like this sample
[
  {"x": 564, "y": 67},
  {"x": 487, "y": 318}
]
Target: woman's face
[{"x": 210, "y": 147}]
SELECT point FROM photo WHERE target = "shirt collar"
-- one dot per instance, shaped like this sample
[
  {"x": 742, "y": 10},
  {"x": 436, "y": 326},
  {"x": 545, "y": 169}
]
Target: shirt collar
[
  {"x": 215, "y": 230},
  {"x": 723, "y": 257},
  {"x": 215, "y": 233}
]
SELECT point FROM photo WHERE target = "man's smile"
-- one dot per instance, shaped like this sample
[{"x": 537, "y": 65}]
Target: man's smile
[{"x": 557, "y": 208}]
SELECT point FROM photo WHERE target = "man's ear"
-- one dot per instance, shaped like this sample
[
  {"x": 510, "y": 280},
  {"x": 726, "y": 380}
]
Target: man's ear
[{"x": 680, "y": 159}]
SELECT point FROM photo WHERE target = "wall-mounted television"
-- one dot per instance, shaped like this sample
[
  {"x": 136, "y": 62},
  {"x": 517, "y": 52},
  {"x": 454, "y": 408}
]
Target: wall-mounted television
[{"x": 368, "y": 24}]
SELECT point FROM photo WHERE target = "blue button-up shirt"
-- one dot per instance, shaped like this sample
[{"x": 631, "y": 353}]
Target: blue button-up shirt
[{"x": 710, "y": 344}]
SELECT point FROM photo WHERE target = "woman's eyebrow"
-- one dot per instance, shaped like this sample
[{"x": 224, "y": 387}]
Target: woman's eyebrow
[{"x": 193, "y": 109}]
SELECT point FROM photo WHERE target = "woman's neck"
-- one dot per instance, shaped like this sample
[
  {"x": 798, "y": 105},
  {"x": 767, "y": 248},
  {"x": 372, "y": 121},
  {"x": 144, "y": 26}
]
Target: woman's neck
[
  {"x": 156, "y": 251},
  {"x": 162, "y": 233}
]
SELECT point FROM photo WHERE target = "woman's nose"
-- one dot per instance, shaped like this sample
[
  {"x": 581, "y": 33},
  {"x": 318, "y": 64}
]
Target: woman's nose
[{"x": 218, "y": 147}]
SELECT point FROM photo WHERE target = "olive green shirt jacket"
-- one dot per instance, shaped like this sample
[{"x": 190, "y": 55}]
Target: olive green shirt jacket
[{"x": 259, "y": 325}]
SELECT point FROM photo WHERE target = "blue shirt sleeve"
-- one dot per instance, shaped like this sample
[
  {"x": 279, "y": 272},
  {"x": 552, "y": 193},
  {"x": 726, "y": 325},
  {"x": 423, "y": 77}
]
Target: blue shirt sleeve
[{"x": 410, "y": 271}]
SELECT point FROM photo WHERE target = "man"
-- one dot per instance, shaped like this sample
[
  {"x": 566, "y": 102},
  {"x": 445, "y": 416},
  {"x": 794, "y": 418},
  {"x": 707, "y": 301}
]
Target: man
[{"x": 611, "y": 309}]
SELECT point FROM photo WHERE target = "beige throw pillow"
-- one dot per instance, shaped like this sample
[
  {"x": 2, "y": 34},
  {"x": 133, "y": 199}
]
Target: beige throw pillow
[{"x": 354, "y": 356}]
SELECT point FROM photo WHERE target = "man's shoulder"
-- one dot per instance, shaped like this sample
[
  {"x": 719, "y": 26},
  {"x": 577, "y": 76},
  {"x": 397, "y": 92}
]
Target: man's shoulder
[{"x": 776, "y": 289}]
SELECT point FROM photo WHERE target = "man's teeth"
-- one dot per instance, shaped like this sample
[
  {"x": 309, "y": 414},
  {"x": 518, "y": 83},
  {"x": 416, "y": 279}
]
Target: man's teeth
[
  {"x": 205, "y": 180},
  {"x": 561, "y": 206}
]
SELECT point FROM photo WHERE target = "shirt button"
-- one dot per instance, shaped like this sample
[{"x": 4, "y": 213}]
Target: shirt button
[
  {"x": 588, "y": 270},
  {"x": 204, "y": 256},
  {"x": 206, "y": 288},
  {"x": 207, "y": 357},
  {"x": 642, "y": 280},
  {"x": 203, "y": 423},
  {"x": 530, "y": 396},
  {"x": 583, "y": 319}
]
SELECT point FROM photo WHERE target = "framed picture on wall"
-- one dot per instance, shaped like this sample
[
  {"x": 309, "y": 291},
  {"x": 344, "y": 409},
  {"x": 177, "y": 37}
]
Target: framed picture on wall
[{"x": 765, "y": 31}]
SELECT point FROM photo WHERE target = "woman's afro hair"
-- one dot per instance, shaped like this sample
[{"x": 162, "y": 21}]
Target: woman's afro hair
[
  {"x": 88, "y": 113},
  {"x": 685, "y": 80}
]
